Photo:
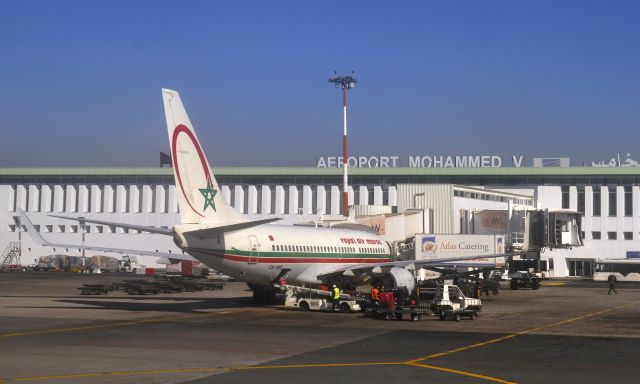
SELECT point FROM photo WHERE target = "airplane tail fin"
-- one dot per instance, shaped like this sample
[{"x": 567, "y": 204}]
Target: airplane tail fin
[{"x": 197, "y": 190}]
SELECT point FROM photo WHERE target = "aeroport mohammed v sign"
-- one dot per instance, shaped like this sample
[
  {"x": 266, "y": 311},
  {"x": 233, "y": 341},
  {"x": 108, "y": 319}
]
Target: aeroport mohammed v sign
[{"x": 435, "y": 161}]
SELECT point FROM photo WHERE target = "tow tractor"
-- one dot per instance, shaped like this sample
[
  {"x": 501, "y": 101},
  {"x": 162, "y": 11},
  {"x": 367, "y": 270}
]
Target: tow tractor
[
  {"x": 451, "y": 303},
  {"x": 311, "y": 299}
]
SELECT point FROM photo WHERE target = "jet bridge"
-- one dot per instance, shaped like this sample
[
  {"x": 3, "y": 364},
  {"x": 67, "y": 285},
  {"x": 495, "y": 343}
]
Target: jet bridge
[{"x": 552, "y": 229}]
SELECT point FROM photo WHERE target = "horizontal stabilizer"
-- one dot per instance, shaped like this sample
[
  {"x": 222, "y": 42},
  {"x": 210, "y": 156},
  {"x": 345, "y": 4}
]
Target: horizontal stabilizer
[
  {"x": 212, "y": 231},
  {"x": 37, "y": 238},
  {"x": 141, "y": 228}
]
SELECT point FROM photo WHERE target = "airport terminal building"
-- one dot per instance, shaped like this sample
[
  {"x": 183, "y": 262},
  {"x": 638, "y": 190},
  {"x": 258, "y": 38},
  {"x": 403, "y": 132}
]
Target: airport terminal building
[{"x": 607, "y": 197}]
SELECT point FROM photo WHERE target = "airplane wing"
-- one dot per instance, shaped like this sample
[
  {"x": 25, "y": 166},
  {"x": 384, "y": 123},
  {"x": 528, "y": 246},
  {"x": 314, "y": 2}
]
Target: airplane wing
[
  {"x": 360, "y": 269},
  {"x": 37, "y": 238},
  {"x": 142, "y": 228}
]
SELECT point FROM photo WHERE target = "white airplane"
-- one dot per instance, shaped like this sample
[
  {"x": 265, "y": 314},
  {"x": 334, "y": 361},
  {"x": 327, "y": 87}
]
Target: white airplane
[{"x": 255, "y": 251}]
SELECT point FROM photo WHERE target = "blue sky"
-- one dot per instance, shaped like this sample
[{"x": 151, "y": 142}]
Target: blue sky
[{"x": 81, "y": 79}]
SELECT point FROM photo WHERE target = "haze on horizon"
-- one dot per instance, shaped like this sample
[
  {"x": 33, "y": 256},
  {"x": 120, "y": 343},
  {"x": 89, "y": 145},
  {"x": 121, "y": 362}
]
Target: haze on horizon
[{"x": 81, "y": 80}]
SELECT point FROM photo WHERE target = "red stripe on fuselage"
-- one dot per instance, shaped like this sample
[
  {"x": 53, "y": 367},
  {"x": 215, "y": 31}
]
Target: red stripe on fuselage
[{"x": 304, "y": 260}]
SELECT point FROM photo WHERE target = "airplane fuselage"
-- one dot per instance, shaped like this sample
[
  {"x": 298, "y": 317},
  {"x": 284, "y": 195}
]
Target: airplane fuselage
[{"x": 258, "y": 255}]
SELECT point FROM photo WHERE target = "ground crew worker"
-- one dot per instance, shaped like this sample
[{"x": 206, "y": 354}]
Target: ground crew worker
[
  {"x": 375, "y": 292},
  {"x": 335, "y": 295},
  {"x": 612, "y": 285}
]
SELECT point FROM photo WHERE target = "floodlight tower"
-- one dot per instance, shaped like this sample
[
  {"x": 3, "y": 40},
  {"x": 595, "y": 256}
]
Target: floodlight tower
[{"x": 346, "y": 82}]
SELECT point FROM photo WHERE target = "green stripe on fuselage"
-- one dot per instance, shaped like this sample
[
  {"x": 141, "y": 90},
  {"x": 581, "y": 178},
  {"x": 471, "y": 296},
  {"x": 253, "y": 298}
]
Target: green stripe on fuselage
[{"x": 303, "y": 255}]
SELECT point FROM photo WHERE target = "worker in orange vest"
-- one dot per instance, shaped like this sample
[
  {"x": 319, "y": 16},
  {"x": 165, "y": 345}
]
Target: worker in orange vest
[{"x": 375, "y": 293}]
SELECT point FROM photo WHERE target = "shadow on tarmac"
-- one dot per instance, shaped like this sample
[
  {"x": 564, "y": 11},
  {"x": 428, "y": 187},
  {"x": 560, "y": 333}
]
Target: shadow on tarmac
[{"x": 155, "y": 304}]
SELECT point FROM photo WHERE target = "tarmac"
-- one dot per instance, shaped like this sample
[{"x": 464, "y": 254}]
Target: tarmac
[{"x": 568, "y": 331}]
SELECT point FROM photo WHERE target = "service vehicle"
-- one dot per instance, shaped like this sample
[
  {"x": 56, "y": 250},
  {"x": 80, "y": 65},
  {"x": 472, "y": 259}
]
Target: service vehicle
[
  {"x": 524, "y": 279},
  {"x": 450, "y": 302},
  {"x": 310, "y": 299},
  {"x": 128, "y": 264}
]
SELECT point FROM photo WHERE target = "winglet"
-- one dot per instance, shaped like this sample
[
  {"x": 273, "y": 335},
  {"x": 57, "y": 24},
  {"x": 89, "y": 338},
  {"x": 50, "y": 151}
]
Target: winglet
[{"x": 31, "y": 230}]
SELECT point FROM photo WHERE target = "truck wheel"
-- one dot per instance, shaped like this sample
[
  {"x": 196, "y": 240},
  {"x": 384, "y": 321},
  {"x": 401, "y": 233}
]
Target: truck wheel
[
  {"x": 473, "y": 316},
  {"x": 344, "y": 308},
  {"x": 458, "y": 317},
  {"x": 415, "y": 317},
  {"x": 304, "y": 306}
]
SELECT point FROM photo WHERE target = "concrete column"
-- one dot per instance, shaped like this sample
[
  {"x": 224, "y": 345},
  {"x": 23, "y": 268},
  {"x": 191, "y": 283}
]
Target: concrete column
[
  {"x": 377, "y": 195},
  {"x": 307, "y": 200},
  {"x": 173, "y": 200},
  {"x": 265, "y": 195},
  {"x": 34, "y": 198},
  {"x": 635, "y": 192},
  {"x": 364, "y": 195},
  {"x": 352, "y": 196},
  {"x": 12, "y": 198},
  {"x": 588, "y": 211},
  {"x": 21, "y": 197},
  {"x": 252, "y": 195},
  {"x": 58, "y": 198},
  {"x": 122, "y": 197},
  {"x": 393, "y": 196},
  {"x": 293, "y": 200},
  {"x": 238, "y": 191},
  {"x": 279, "y": 209},
  {"x": 160, "y": 198},
  {"x": 573, "y": 197},
  {"x": 97, "y": 197},
  {"x": 321, "y": 199},
  {"x": 108, "y": 191},
  {"x": 147, "y": 199},
  {"x": 134, "y": 198},
  {"x": 226, "y": 193},
  {"x": 72, "y": 198},
  {"x": 47, "y": 199},
  {"x": 604, "y": 201},
  {"x": 620, "y": 211},
  {"x": 83, "y": 198},
  {"x": 335, "y": 200}
]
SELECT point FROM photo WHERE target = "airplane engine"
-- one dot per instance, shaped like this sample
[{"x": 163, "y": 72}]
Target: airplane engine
[{"x": 402, "y": 278}]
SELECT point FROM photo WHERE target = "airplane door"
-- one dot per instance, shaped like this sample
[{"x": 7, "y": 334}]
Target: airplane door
[{"x": 254, "y": 247}]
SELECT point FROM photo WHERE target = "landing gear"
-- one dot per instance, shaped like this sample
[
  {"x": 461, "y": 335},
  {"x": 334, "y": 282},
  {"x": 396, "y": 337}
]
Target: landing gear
[{"x": 263, "y": 294}]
